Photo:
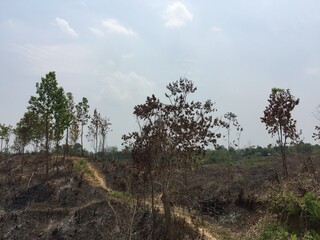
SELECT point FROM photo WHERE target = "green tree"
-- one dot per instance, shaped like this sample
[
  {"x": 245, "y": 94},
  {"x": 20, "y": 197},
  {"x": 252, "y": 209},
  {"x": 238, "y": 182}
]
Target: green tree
[
  {"x": 279, "y": 122},
  {"x": 74, "y": 132},
  {"x": 172, "y": 136},
  {"x": 49, "y": 105},
  {"x": 28, "y": 129},
  {"x": 5, "y": 133},
  {"x": 70, "y": 117},
  {"x": 61, "y": 117},
  {"x": 82, "y": 117}
]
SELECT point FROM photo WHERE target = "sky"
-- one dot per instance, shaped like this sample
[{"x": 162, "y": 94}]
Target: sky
[{"x": 116, "y": 53}]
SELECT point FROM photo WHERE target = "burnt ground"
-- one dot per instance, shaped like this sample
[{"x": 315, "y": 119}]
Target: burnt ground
[
  {"x": 235, "y": 199},
  {"x": 66, "y": 207}
]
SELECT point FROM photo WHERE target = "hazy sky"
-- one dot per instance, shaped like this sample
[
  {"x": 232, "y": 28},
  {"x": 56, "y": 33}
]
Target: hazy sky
[{"x": 116, "y": 53}]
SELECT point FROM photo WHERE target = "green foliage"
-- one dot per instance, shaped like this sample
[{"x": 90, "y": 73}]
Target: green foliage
[
  {"x": 82, "y": 117},
  {"x": 120, "y": 195},
  {"x": 305, "y": 210},
  {"x": 82, "y": 167},
  {"x": 220, "y": 155},
  {"x": 311, "y": 208},
  {"x": 276, "y": 231},
  {"x": 311, "y": 235},
  {"x": 50, "y": 105},
  {"x": 5, "y": 132}
]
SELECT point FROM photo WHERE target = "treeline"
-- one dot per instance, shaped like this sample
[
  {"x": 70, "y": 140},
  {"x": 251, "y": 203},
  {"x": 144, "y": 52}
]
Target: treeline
[
  {"x": 224, "y": 155},
  {"x": 52, "y": 115}
]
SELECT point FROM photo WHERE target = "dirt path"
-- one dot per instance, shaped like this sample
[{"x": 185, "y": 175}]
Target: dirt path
[
  {"x": 98, "y": 177},
  {"x": 178, "y": 212},
  {"x": 203, "y": 230}
]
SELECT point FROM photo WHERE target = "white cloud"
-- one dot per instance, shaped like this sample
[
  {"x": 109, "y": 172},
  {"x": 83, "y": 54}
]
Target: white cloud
[
  {"x": 176, "y": 15},
  {"x": 61, "y": 58},
  {"x": 113, "y": 26},
  {"x": 128, "y": 86},
  {"x": 65, "y": 27}
]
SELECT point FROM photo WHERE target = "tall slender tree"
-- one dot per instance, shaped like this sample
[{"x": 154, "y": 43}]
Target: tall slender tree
[
  {"x": 69, "y": 118},
  {"x": 82, "y": 117},
  {"x": 5, "y": 132},
  {"x": 104, "y": 129},
  {"x": 279, "y": 122},
  {"x": 49, "y": 105},
  {"x": 93, "y": 130},
  {"x": 316, "y": 114},
  {"x": 61, "y": 117},
  {"x": 74, "y": 132},
  {"x": 232, "y": 122}
]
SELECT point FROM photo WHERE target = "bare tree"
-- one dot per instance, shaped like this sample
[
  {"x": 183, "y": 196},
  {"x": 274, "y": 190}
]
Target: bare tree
[
  {"x": 279, "y": 122},
  {"x": 316, "y": 114},
  {"x": 93, "y": 131},
  {"x": 104, "y": 129},
  {"x": 232, "y": 122}
]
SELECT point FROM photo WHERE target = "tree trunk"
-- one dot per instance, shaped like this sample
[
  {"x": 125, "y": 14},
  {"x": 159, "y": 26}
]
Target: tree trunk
[
  {"x": 283, "y": 153},
  {"x": 47, "y": 147},
  {"x": 152, "y": 207},
  {"x": 66, "y": 149},
  {"x": 284, "y": 161},
  {"x": 1, "y": 144},
  {"x": 81, "y": 140},
  {"x": 95, "y": 157},
  {"x": 167, "y": 214}
]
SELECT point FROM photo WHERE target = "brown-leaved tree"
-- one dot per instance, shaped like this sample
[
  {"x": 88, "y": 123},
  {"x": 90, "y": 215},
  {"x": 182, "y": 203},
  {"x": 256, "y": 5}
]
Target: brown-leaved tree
[
  {"x": 172, "y": 137},
  {"x": 279, "y": 122}
]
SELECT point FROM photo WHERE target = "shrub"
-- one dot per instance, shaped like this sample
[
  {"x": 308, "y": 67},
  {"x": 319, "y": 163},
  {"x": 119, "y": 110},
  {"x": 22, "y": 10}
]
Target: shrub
[
  {"x": 311, "y": 235},
  {"x": 304, "y": 210},
  {"x": 276, "y": 231},
  {"x": 82, "y": 167}
]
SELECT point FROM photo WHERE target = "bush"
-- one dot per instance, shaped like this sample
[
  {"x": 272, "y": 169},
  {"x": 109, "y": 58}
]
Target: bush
[
  {"x": 82, "y": 167},
  {"x": 311, "y": 235},
  {"x": 304, "y": 210},
  {"x": 276, "y": 231}
]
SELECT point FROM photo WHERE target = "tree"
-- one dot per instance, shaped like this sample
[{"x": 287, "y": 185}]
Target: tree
[
  {"x": 93, "y": 131},
  {"x": 82, "y": 117},
  {"x": 28, "y": 130},
  {"x": 5, "y": 132},
  {"x": 316, "y": 134},
  {"x": 104, "y": 129},
  {"x": 279, "y": 122},
  {"x": 74, "y": 132},
  {"x": 69, "y": 118},
  {"x": 62, "y": 117},
  {"x": 172, "y": 136},
  {"x": 49, "y": 105},
  {"x": 232, "y": 121}
]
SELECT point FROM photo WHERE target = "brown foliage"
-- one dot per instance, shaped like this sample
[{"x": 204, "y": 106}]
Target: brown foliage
[{"x": 278, "y": 120}]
